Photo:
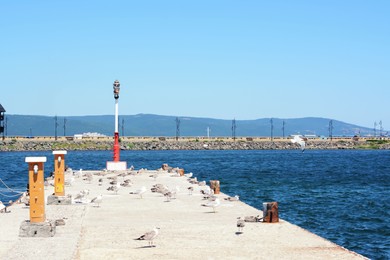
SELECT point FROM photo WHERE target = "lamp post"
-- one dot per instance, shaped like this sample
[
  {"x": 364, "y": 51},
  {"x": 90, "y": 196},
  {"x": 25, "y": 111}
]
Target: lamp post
[{"x": 116, "y": 87}]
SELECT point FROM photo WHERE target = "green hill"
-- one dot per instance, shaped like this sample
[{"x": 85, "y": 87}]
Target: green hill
[{"x": 158, "y": 125}]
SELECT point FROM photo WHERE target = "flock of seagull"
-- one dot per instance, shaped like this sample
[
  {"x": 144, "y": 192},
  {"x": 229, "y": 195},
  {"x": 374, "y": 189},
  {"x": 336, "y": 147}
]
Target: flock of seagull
[{"x": 207, "y": 194}]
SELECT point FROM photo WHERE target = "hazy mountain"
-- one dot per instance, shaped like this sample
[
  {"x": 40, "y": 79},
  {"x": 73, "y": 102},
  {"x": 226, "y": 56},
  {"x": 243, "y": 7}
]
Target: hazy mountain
[{"x": 157, "y": 125}]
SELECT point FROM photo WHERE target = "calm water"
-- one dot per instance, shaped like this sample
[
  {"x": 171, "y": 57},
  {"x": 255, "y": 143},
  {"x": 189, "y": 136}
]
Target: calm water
[{"x": 341, "y": 195}]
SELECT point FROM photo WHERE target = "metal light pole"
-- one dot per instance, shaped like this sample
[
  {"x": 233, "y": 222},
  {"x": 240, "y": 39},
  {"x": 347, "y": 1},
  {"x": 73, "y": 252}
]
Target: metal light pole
[{"x": 116, "y": 87}]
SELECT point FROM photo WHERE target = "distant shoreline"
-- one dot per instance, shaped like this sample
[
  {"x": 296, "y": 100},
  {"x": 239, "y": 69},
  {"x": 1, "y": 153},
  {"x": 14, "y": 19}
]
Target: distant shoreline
[{"x": 162, "y": 143}]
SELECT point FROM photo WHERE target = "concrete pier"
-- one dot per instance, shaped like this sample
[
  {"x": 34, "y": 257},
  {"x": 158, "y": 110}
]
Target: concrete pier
[{"x": 187, "y": 229}]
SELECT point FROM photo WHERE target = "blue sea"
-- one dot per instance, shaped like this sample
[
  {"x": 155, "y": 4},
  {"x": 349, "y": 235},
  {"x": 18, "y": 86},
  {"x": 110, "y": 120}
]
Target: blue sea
[{"x": 341, "y": 195}]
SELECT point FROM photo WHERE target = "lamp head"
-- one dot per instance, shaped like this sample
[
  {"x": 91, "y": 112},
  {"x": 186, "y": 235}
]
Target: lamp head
[{"x": 116, "y": 87}]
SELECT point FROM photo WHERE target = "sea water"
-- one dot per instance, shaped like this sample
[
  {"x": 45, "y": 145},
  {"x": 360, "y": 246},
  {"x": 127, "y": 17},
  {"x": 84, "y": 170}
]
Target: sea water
[{"x": 341, "y": 195}]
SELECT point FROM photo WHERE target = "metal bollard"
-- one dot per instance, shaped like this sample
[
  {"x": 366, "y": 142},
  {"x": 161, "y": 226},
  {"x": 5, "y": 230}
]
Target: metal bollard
[{"x": 270, "y": 212}]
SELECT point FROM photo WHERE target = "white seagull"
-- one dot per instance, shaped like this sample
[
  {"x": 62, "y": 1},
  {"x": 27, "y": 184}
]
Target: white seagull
[
  {"x": 299, "y": 140},
  {"x": 98, "y": 199},
  {"x": 150, "y": 236},
  {"x": 240, "y": 225},
  {"x": 213, "y": 204},
  {"x": 140, "y": 191},
  {"x": 2, "y": 207},
  {"x": 188, "y": 175},
  {"x": 235, "y": 198}
]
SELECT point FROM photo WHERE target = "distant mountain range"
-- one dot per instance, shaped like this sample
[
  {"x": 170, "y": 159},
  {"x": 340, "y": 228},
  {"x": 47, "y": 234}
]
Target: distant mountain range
[{"x": 158, "y": 125}]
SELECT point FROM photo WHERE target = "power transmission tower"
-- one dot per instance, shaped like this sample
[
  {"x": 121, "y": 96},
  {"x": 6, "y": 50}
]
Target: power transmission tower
[
  {"x": 331, "y": 130},
  {"x": 234, "y": 129},
  {"x": 177, "y": 128},
  {"x": 65, "y": 126},
  {"x": 375, "y": 124},
  {"x": 272, "y": 129},
  {"x": 55, "y": 127},
  {"x": 284, "y": 123},
  {"x": 380, "y": 128}
]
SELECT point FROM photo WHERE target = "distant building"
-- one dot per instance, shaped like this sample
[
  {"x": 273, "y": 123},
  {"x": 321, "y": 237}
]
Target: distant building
[
  {"x": 2, "y": 110},
  {"x": 81, "y": 136}
]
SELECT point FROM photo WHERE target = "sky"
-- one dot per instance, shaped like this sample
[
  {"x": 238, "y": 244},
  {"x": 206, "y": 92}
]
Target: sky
[{"x": 215, "y": 59}]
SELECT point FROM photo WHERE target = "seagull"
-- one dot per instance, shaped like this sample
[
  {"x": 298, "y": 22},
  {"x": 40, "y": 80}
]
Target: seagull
[
  {"x": 114, "y": 188},
  {"x": 25, "y": 199},
  {"x": 160, "y": 188},
  {"x": 207, "y": 191},
  {"x": 175, "y": 191},
  {"x": 240, "y": 225},
  {"x": 154, "y": 176},
  {"x": 193, "y": 180},
  {"x": 202, "y": 183},
  {"x": 168, "y": 195},
  {"x": 82, "y": 194},
  {"x": 78, "y": 174},
  {"x": 113, "y": 182},
  {"x": 69, "y": 181},
  {"x": 299, "y": 140},
  {"x": 235, "y": 198},
  {"x": 188, "y": 175},
  {"x": 100, "y": 181},
  {"x": 2, "y": 207},
  {"x": 253, "y": 218},
  {"x": 190, "y": 190},
  {"x": 97, "y": 200},
  {"x": 89, "y": 178},
  {"x": 140, "y": 191},
  {"x": 212, "y": 204},
  {"x": 126, "y": 183},
  {"x": 150, "y": 236}
]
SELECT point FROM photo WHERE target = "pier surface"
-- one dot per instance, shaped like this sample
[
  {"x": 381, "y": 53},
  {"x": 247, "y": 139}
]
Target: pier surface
[{"x": 187, "y": 229}]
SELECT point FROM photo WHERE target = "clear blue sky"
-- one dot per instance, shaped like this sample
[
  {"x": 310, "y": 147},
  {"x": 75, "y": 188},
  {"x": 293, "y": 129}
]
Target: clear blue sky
[{"x": 219, "y": 59}]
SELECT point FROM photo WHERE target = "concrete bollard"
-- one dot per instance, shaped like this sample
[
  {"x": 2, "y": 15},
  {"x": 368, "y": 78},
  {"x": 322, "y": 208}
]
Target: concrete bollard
[
  {"x": 214, "y": 185},
  {"x": 270, "y": 212}
]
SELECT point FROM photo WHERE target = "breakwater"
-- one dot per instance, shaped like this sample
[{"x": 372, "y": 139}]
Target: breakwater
[
  {"x": 41, "y": 144},
  {"x": 187, "y": 225}
]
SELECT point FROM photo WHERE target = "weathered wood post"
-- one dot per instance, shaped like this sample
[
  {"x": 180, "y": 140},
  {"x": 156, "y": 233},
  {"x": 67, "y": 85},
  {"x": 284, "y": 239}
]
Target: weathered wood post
[
  {"x": 214, "y": 185},
  {"x": 59, "y": 169},
  {"x": 270, "y": 212},
  {"x": 59, "y": 197},
  {"x": 37, "y": 225},
  {"x": 36, "y": 184}
]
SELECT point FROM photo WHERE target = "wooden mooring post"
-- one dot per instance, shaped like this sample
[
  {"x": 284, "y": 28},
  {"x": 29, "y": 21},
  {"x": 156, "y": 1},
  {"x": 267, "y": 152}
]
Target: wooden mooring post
[{"x": 214, "y": 185}]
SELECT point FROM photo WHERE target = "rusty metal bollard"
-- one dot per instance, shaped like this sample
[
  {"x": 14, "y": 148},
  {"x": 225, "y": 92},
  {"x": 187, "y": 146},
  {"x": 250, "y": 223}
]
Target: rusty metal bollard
[
  {"x": 270, "y": 212},
  {"x": 214, "y": 185}
]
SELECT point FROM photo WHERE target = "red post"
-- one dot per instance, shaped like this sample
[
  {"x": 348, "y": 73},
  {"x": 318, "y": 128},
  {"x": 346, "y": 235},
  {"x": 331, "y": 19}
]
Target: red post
[{"x": 116, "y": 147}]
